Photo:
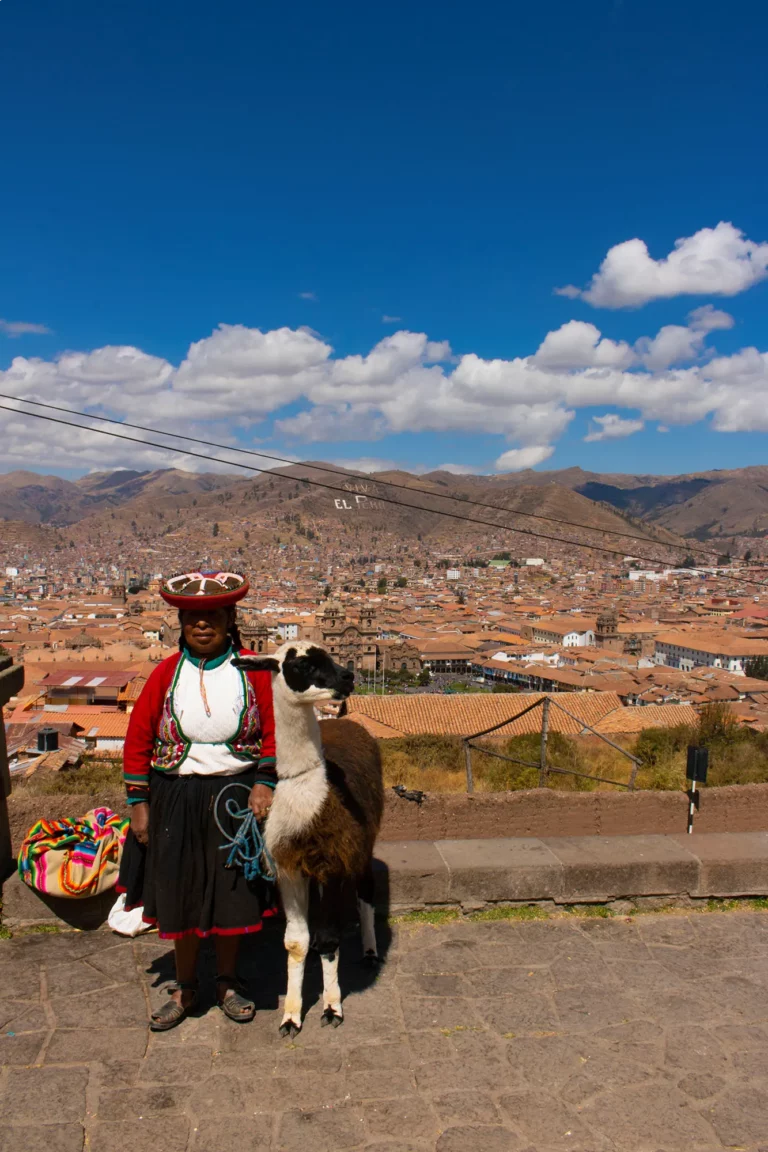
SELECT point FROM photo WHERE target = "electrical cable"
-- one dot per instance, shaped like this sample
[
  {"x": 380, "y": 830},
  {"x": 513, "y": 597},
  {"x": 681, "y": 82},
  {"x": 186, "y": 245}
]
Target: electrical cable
[
  {"x": 340, "y": 472},
  {"x": 338, "y": 488}
]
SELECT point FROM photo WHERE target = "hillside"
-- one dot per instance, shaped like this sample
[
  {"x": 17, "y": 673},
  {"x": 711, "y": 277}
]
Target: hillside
[{"x": 179, "y": 510}]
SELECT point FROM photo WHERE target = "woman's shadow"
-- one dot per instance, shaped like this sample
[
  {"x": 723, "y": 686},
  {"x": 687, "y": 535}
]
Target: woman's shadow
[{"x": 262, "y": 964}]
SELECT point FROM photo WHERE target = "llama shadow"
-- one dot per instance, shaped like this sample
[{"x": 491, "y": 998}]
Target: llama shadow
[{"x": 262, "y": 961}]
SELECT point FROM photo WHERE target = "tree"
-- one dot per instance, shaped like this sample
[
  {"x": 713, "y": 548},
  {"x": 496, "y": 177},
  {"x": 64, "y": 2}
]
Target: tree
[
  {"x": 689, "y": 562},
  {"x": 401, "y": 582},
  {"x": 215, "y": 529},
  {"x": 381, "y": 587},
  {"x": 757, "y": 668},
  {"x": 747, "y": 556},
  {"x": 724, "y": 560},
  {"x": 327, "y": 591},
  {"x": 461, "y": 598},
  {"x": 424, "y": 678}
]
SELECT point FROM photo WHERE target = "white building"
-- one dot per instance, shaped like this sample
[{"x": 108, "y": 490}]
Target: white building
[{"x": 689, "y": 650}]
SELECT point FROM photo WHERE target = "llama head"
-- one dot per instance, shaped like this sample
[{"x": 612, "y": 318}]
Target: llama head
[{"x": 303, "y": 673}]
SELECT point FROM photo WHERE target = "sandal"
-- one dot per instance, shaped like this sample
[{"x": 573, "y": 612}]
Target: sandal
[
  {"x": 171, "y": 1014},
  {"x": 234, "y": 1005}
]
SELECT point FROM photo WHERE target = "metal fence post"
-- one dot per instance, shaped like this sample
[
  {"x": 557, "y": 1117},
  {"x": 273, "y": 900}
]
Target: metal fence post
[
  {"x": 544, "y": 737},
  {"x": 468, "y": 763}
]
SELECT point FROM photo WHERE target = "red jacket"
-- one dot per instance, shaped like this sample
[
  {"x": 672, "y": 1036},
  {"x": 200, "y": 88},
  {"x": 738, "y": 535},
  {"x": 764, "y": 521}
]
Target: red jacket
[{"x": 142, "y": 740}]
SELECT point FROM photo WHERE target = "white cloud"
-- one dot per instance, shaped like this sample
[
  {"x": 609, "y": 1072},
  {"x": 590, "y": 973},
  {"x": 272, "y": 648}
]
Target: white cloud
[
  {"x": 578, "y": 345},
  {"x": 456, "y": 469},
  {"x": 716, "y": 261},
  {"x": 368, "y": 464},
  {"x": 709, "y": 319},
  {"x": 390, "y": 319},
  {"x": 15, "y": 328},
  {"x": 238, "y": 376},
  {"x": 307, "y": 295},
  {"x": 516, "y": 459},
  {"x": 613, "y": 427}
]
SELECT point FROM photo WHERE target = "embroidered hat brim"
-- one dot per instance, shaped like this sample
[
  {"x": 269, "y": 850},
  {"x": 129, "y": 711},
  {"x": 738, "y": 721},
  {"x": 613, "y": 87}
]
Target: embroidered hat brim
[{"x": 204, "y": 590}]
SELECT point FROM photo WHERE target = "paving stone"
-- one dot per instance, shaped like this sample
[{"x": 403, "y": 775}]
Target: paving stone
[
  {"x": 118, "y": 964},
  {"x": 517, "y": 1015},
  {"x": 546, "y": 1121},
  {"x": 124, "y": 1007},
  {"x": 408, "y": 1116},
  {"x": 304, "y": 1091},
  {"x": 702, "y": 1086},
  {"x": 580, "y": 1008},
  {"x": 218, "y": 1094},
  {"x": 322, "y": 1131},
  {"x": 169, "y": 1133},
  {"x": 455, "y": 1076},
  {"x": 509, "y": 981},
  {"x": 19, "y": 981},
  {"x": 141, "y": 1102},
  {"x": 233, "y": 1133},
  {"x": 42, "y": 1138},
  {"x": 438, "y": 1012},
  {"x": 669, "y": 931},
  {"x": 750, "y": 1065},
  {"x": 376, "y": 1085},
  {"x": 21, "y": 1048},
  {"x": 22, "y": 1016},
  {"x": 83, "y": 1046},
  {"x": 76, "y": 977},
  {"x": 61, "y": 1091},
  {"x": 433, "y": 985},
  {"x": 741, "y": 1116},
  {"x": 477, "y": 1138},
  {"x": 189, "y": 1066},
  {"x": 318, "y": 1058},
  {"x": 695, "y": 1049},
  {"x": 377, "y": 1056},
  {"x": 655, "y": 1115},
  {"x": 466, "y": 1108}
]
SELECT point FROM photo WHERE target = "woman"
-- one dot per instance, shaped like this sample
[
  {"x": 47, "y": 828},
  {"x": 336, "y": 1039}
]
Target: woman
[{"x": 199, "y": 726}]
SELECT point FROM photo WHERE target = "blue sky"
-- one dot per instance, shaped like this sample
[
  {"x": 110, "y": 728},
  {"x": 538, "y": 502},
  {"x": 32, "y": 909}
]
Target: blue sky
[{"x": 426, "y": 174}]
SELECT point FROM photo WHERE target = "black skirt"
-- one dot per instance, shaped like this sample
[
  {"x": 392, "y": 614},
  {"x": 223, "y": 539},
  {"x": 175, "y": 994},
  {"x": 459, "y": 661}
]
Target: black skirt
[{"x": 181, "y": 877}]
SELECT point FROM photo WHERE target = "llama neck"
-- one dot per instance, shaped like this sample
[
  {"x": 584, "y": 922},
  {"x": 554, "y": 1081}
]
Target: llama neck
[
  {"x": 302, "y": 785},
  {"x": 297, "y": 736}
]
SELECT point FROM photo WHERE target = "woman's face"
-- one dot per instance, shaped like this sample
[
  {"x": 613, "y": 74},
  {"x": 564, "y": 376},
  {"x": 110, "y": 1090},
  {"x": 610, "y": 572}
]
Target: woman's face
[{"x": 205, "y": 631}]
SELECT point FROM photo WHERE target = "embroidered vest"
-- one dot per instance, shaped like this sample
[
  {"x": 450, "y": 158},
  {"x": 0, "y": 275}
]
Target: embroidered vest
[{"x": 172, "y": 746}]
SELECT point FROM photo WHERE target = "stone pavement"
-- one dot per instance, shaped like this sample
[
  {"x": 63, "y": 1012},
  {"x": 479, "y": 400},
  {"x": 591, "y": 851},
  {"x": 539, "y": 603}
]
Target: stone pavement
[{"x": 586, "y": 1035}]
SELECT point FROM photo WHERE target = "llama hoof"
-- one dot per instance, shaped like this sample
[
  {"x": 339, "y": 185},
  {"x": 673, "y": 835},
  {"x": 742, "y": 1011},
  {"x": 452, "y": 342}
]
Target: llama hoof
[
  {"x": 289, "y": 1029},
  {"x": 332, "y": 1018},
  {"x": 371, "y": 961}
]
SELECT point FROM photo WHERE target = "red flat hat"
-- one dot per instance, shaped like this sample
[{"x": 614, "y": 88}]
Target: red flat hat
[{"x": 204, "y": 589}]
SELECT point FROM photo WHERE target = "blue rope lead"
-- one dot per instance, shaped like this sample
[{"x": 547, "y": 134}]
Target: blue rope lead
[{"x": 247, "y": 850}]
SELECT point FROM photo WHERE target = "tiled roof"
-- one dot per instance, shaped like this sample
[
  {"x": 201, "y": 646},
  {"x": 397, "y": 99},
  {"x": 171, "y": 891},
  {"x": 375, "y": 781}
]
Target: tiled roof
[
  {"x": 631, "y": 720},
  {"x": 465, "y": 715}
]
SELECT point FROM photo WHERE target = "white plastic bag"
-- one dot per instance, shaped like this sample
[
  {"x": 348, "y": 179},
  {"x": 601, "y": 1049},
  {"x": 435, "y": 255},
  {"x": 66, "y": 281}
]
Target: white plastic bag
[{"x": 127, "y": 923}]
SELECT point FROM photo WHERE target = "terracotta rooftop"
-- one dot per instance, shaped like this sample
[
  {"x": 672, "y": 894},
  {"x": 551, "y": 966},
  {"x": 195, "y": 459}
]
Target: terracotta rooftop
[{"x": 465, "y": 715}]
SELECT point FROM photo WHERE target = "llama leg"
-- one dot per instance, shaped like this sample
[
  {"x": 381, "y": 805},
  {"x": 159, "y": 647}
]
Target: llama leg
[
  {"x": 294, "y": 890},
  {"x": 326, "y": 941},
  {"x": 365, "y": 905}
]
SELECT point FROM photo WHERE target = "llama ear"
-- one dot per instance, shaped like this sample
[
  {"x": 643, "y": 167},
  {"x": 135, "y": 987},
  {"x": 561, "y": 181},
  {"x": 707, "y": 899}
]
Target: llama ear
[{"x": 257, "y": 663}]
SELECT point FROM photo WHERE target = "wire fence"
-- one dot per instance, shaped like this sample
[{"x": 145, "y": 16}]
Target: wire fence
[{"x": 545, "y": 769}]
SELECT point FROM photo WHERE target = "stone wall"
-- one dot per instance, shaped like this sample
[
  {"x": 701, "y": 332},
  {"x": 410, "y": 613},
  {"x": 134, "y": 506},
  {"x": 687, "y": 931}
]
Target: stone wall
[
  {"x": 538, "y": 812},
  {"x": 11, "y": 683}
]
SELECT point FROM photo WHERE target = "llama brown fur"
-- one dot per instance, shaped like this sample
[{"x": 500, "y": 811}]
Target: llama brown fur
[{"x": 339, "y": 841}]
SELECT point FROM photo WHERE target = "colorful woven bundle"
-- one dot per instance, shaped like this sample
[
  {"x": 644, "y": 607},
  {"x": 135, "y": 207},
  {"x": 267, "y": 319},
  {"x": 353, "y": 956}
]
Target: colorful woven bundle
[{"x": 74, "y": 858}]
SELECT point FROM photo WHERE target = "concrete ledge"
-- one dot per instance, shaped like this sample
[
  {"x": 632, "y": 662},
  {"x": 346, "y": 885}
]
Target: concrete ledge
[
  {"x": 416, "y": 874},
  {"x": 572, "y": 870}
]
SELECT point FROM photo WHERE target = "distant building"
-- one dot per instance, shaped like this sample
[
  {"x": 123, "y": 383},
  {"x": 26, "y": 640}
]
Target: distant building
[{"x": 687, "y": 650}]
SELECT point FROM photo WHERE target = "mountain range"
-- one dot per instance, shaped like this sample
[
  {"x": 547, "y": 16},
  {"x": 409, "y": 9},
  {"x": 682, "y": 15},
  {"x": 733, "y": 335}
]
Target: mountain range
[{"x": 724, "y": 508}]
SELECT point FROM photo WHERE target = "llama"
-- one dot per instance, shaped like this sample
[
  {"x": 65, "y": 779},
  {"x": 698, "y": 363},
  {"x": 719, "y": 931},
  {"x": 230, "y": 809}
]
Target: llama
[{"x": 324, "y": 820}]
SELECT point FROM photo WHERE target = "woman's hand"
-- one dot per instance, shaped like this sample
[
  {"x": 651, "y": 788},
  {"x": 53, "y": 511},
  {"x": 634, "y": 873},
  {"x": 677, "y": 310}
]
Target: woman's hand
[
  {"x": 140, "y": 822},
  {"x": 260, "y": 800}
]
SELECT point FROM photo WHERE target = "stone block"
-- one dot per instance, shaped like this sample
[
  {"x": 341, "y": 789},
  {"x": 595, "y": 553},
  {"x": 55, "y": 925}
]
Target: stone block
[
  {"x": 409, "y": 874},
  {"x": 730, "y": 864},
  {"x": 24, "y": 908},
  {"x": 597, "y": 868},
  {"x": 505, "y": 869}
]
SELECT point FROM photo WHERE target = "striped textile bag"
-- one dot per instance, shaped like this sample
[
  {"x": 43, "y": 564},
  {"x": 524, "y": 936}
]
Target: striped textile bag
[{"x": 74, "y": 858}]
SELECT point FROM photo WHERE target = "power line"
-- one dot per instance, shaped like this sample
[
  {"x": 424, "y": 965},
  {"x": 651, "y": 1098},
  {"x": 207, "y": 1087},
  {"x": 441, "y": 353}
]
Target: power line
[
  {"x": 339, "y": 472},
  {"x": 335, "y": 487}
]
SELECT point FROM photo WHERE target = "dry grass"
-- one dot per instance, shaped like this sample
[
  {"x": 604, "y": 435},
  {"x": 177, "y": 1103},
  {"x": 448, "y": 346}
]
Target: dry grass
[
  {"x": 436, "y": 763},
  {"x": 92, "y": 778}
]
